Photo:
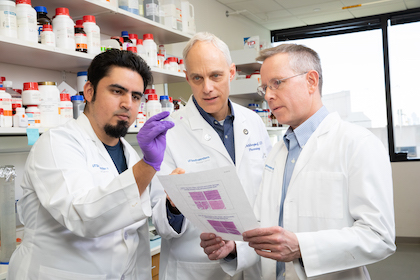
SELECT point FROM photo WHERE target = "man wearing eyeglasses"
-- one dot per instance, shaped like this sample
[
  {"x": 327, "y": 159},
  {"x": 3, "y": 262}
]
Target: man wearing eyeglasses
[{"x": 326, "y": 203}]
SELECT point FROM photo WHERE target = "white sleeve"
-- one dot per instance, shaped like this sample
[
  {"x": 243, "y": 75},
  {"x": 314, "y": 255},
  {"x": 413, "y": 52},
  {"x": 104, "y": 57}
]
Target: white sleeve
[{"x": 68, "y": 189}]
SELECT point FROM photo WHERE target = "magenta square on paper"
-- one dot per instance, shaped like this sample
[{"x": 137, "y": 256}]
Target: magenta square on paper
[
  {"x": 202, "y": 205},
  {"x": 221, "y": 229},
  {"x": 197, "y": 195},
  {"x": 212, "y": 195},
  {"x": 215, "y": 223},
  {"x": 217, "y": 204},
  {"x": 229, "y": 225}
]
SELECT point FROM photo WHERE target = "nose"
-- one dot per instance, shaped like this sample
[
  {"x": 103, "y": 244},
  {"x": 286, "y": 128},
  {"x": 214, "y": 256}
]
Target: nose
[
  {"x": 127, "y": 101},
  {"x": 269, "y": 94},
  {"x": 208, "y": 86}
]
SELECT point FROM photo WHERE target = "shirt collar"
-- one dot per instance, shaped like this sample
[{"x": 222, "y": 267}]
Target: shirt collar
[
  {"x": 209, "y": 118},
  {"x": 304, "y": 131}
]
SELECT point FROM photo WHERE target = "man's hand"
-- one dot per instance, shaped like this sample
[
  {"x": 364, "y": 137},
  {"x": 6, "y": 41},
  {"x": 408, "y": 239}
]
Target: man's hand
[
  {"x": 274, "y": 242},
  {"x": 152, "y": 139},
  {"x": 171, "y": 205},
  {"x": 215, "y": 247}
]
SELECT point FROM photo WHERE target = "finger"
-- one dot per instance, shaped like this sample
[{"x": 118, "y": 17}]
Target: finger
[
  {"x": 207, "y": 236},
  {"x": 268, "y": 254},
  {"x": 159, "y": 116},
  {"x": 177, "y": 170},
  {"x": 258, "y": 232}
]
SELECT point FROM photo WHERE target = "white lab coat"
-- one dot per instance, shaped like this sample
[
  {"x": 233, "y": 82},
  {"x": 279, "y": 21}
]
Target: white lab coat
[
  {"x": 339, "y": 202},
  {"x": 195, "y": 146},
  {"x": 82, "y": 219}
]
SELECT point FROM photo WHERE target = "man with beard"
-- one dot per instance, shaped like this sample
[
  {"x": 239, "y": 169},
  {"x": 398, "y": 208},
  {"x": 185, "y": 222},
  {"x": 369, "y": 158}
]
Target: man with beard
[{"x": 85, "y": 190}]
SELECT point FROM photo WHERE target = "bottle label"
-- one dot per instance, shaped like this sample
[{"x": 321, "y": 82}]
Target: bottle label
[
  {"x": 8, "y": 20},
  {"x": 152, "y": 9}
]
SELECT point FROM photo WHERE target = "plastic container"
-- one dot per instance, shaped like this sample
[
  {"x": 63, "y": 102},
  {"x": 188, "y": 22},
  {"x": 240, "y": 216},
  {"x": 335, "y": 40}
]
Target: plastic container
[
  {"x": 16, "y": 98},
  {"x": 141, "y": 8},
  {"x": 253, "y": 106},
  {"x": 188, "y": 21},
  {"x": 110, "y": 44},
  {"x": 63, "y": 27},
  {"x": 27, "y": 28},
  {"x": 93, "y": 33},
  {"x": 142, "y": 107},
  {"x": 34, "y": 116},
  {"x": 133, "y": 38},
  {"x": 20, "y": 119},
  {"x": 172, "y": 13},
  {"x": 50, "y": 97},
  {"x": 65, "y": 108},
  {"x": 119, "y": 40},
  {"x": 166, "y": 65},
  {"x": 181, "y": 66},
  {"x": 162, "y": 50},
  {"x": 1, "y": 117},
  {"x": 141, "y": 51},
  {"x": 126, "y": 41},
  {"x": 132, "y": 49},
  {"x": 173, "y": 64},
  {"x": 42, "y": 19},
  {"x": 141, "y": 119},
  {"x": 166, "y": 104},
  {"x": 160, "y": 60},
  {"x": 153, "y": 106},
  {"x": 151, "y": 49},
  {"x": 78, "y": 105},
  {"x": 31, "y": 94},
  {"x": 152, "y": 10},
  {"x": 48, "y": 36},
  {"x": 7, "y": 210},
  {"x": 6, "y": 105},
  {"x": 48, "y": 92},
  {"x": 131, "y": 6},
  {"x": 8, "y": 21},
  {"x": 80, "y": 37},
  {"x": 81, "y": 81}
]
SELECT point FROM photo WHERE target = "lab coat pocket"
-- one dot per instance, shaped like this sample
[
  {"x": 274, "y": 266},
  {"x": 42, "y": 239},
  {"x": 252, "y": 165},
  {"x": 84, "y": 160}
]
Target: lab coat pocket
[
  {"x": 48, "y": 273},
  {"x": 196, "y": 270},
  {"x": 321, "y": 195}
]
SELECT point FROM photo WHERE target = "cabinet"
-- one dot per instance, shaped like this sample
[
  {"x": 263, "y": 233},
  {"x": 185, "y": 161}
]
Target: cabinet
[{"x": 155, "y": 266}]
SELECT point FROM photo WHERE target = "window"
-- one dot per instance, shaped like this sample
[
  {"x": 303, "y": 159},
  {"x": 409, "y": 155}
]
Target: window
[{"x": 369, "y": 70}]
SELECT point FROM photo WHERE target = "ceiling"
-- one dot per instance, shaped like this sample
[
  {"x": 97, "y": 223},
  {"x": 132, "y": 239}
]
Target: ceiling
[{"x": 281, "y": 14}]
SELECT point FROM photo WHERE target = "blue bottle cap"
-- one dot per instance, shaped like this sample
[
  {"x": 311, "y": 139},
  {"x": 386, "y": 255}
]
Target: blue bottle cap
[
  {"x": 164, "y": 97},
  {"x": 77, "y": 97},
  {"x": 40, "y": 9},
  {"x": 124, "y": 33},
  {"x": 82, "y": 73}
]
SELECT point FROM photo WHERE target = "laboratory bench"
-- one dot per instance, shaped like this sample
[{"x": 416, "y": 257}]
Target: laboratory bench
[{"x": 154, "y": 250}]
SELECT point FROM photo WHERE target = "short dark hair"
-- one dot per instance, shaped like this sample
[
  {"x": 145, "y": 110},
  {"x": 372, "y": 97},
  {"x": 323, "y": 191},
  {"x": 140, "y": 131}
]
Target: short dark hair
[{"x": 103, "y": 62}]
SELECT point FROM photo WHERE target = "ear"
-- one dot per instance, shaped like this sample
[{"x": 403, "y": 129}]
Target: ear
[
  {"x": 186, "y": 75},
  {"x": 312, "y": 78},
  {"x": 232, "y": 72},
  {"x": 88, "y": 91}
]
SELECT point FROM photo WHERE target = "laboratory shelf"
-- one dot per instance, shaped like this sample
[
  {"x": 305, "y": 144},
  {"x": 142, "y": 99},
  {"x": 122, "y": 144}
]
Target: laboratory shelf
[
  {"x": 112, "y": 20},
  {"x": 245, "y": 60},
  {"x": 245, "y": 89}
]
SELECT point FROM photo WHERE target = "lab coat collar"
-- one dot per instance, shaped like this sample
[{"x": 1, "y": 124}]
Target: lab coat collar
[{"x": 84, "y": 123}]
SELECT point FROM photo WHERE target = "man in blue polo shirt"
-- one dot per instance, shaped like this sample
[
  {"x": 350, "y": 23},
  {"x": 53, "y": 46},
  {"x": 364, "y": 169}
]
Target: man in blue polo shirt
[{"x": 210, "y": 132}]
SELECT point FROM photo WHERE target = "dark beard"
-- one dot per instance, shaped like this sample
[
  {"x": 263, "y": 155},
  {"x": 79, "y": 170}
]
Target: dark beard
[{"x": 117, "y": 131}]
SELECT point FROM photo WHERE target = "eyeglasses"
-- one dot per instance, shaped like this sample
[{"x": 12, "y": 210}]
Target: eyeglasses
[{"x": 274, "y": 84}]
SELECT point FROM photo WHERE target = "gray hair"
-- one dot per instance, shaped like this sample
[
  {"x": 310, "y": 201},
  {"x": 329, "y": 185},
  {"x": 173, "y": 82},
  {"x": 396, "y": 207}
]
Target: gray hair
[
  {"x": 301, "y": 59},
  {"x": 210, "y": 38}
]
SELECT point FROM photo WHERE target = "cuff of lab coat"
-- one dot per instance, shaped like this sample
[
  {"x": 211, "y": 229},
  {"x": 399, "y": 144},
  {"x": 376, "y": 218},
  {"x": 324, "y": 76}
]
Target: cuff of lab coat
[{"x": 140, "y": 203}]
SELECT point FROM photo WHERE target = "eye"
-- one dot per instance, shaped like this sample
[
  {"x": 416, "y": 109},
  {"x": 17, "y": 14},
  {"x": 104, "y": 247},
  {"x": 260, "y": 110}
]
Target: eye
[
  {"x": 136, "y": 97},
  {"x": 116, "y": 91},
  {"x": 196, "y": 78}
]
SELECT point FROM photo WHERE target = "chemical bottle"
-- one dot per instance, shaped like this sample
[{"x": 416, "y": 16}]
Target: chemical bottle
[
  {"x": 50, "y": 98},
  {"x": 142, "y": 107},
  {"x": 152, "y": 10},
  {"x": 80, "y": 37},
  {"x": 141, "y": 119},
  {"x": 151, "y": 50},
  {"x": 1, "y": 117},
  {"x": 181, "y": 66},
  {"x": 162, "y": 50},
  {"x": 166, "y": 104},
  {"x": 78, "y": 105},
  {"x": 171, "y": 104},
  {"x": 172, "y": 13},
  {"x": 6, "y": 105},
  {"x": 20, "y": 119},
  {"x": 187, "y": 15},
  {"x": 141, "y": 51},
  {"x": 16, "y": 97},
  {"x": 173, "y": 64},
  {"x": 48, "y": 36},
  {"x": 131, "y": 6},
  {"x": 133, "y": 38},
  {"x": 141, "y": 9},
  {"x": 31, "y": 94},
  {"x": 119, "y": 40},
  {"x": 126, "y": 41},
  {"x": 7, "y": 210},
  {"x": 65, "y": 108},
  {"x": 42, "y": 19},
  {"x": 8, "y": 27},
  {"x": 153, "y": 106},
  {"x": 63, "y": 28},
  {"x": 132, "y": 49},
  {"x": 93, "y": 33},
  {"x": 81, "y": 81},
  {"x": 27, "y": 28},
  {"x": 34, "y": 115}
]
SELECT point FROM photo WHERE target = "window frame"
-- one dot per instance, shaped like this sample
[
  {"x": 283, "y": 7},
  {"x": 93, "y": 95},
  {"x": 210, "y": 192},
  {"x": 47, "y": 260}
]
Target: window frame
[{"x": 356, "y": 25}]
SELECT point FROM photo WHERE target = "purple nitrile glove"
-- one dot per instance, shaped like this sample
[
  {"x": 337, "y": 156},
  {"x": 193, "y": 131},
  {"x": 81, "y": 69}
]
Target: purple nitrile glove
[{"x": 152, "y": 139}]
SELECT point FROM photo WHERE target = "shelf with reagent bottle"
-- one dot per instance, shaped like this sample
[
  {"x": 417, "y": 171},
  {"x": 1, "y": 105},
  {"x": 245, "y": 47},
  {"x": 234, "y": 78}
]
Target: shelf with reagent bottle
[
  {"x": 112, "y": 20},
  {"x": 245, "y": 89},
  {"x": 245, "y": 60}
]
